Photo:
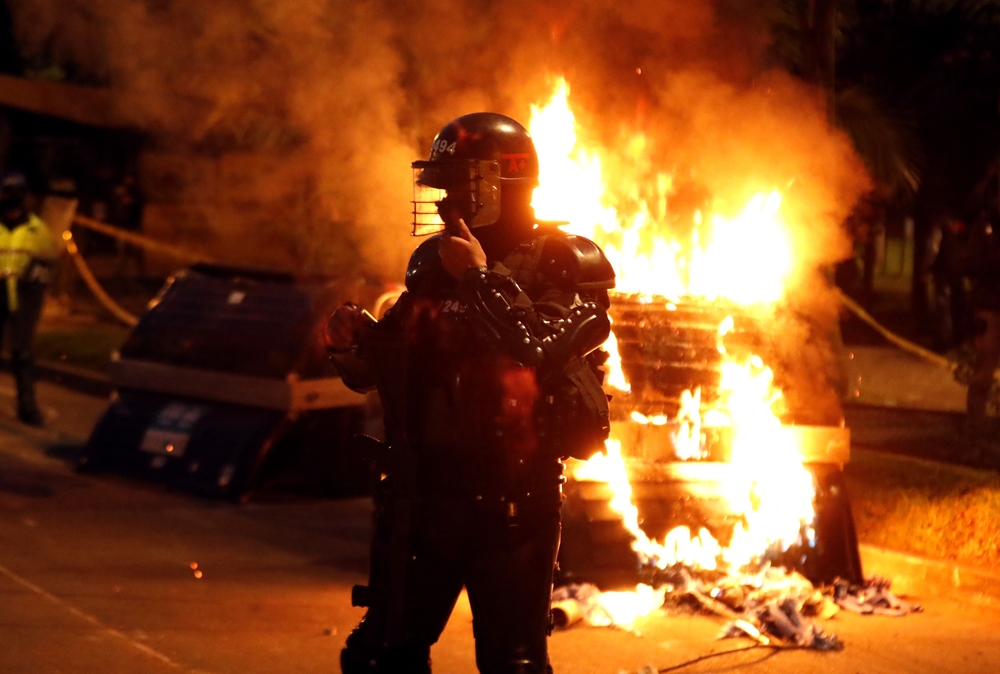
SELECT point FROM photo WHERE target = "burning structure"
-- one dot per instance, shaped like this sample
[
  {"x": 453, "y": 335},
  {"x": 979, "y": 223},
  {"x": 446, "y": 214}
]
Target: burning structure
[{"x": 710, "y": 466}]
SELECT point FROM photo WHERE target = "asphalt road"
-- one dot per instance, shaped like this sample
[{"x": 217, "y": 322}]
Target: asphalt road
[{"x": 100, "y": 574}]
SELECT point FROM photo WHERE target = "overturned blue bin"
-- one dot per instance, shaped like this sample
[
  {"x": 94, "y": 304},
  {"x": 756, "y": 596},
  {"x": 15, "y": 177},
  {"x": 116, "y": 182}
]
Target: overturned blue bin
[{"x": 224, "y": 388}]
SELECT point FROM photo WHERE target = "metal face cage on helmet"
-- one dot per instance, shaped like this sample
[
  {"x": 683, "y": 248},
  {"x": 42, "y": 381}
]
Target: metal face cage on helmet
[
  {"x": 471, "y": 159},
  {"x": 472, "y": 187}
]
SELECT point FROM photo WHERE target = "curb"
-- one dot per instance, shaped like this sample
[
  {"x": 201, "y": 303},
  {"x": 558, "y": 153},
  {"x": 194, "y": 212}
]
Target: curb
[{"x": 921, "y": 577}]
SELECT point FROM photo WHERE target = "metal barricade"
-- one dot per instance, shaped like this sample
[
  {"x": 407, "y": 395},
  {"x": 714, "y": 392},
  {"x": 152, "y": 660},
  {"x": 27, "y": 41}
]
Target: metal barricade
[{"x": 224, "y": 386}]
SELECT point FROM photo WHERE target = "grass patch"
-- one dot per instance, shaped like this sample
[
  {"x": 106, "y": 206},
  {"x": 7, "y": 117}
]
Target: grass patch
[
  {"x": 88, "y": 345},
  {"x": 926, "y": 508}
]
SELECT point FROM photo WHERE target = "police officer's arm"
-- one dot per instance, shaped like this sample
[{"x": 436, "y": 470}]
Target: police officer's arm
[
  {"x": 567, "y": 318},
  {"x": 341, "y": 338}
]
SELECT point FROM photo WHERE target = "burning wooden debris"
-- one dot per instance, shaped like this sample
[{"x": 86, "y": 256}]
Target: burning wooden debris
[{"x": 716, "y": 489}]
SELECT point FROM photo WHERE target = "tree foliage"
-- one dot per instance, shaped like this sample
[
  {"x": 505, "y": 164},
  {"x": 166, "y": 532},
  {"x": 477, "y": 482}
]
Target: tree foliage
[{"x": 934, "y": 66}]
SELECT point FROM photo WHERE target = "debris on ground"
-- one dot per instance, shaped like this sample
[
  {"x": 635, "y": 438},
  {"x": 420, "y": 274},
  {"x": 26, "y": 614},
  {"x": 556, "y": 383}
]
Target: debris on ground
[
  {"x": 774, "y": 607},
  {"x": 586, "y": 603},
  {"x": 786, "y": 622},
  {"x": 872, "y": 598}
]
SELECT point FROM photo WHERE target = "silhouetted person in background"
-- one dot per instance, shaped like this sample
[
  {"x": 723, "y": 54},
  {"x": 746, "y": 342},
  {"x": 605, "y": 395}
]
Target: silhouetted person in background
[
  {"x": 983, "y": 268},
  {"x": 951, "y": 309},
  {"x": 125, "y": 211}
]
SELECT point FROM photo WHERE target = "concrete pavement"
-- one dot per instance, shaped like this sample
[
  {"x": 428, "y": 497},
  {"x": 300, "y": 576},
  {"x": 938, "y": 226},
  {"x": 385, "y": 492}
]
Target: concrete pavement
[
  {"x": 101, "y": 574},
  {"x": 890, "y": 377}
]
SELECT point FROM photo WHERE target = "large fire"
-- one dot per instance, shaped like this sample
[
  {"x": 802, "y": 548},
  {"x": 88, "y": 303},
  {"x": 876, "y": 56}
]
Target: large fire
[{"x": 745, "y": 257}]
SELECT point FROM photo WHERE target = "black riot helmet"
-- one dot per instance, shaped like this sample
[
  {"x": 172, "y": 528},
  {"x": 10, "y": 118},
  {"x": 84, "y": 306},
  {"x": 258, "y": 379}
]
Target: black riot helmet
[{"x": 473, "y": 159}]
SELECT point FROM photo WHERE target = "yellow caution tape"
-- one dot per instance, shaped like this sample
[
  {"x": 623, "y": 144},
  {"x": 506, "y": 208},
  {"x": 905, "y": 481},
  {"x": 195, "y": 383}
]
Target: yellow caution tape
[
  {"x": 88, "y": 277},
  {"x": 140, "y": 240},
  {"x": 904, "y": 344}
]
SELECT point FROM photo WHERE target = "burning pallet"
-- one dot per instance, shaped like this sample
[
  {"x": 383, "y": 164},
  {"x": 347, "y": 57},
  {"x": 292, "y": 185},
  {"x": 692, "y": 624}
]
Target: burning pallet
[{"x": 674, "y": 357}]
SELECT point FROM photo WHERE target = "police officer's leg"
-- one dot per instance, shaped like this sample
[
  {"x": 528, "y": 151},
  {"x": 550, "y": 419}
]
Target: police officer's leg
[
  {"x": 23, "y": 322},
  {"x": 360, "y": 657},
  {"x": 437, "y": 571},
  {"x": 510, "y": 588},
  {"x": 388, "y": 552}
]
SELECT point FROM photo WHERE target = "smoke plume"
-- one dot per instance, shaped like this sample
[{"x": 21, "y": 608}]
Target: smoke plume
[{"x": 282, "y": 132}]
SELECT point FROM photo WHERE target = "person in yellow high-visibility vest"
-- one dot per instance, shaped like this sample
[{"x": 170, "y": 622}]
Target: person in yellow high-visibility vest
[{"x": 28, "y": 255}]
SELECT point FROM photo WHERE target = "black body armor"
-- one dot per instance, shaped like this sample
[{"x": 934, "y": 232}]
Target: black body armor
[{"x": 485, "y": 383}]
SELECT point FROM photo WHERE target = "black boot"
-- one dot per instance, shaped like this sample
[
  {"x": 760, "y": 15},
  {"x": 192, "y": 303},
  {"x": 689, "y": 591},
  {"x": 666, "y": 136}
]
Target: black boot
[{"x": 24, "y": 375}]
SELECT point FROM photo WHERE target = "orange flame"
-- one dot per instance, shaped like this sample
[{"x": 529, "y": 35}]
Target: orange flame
[
  {"x": 687, "y": 438},
  {"x": 744, "y": 257},
  {"x": 615, "y": 375}
]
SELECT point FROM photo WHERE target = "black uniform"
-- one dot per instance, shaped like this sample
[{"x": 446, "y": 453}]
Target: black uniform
[{"x": 486, "y": 384}]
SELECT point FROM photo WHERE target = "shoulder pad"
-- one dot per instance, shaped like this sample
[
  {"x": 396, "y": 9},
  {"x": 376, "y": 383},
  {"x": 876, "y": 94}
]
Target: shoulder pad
[
  {"x": 424, "y": 270},
  {"x": 576, "y": 262}
]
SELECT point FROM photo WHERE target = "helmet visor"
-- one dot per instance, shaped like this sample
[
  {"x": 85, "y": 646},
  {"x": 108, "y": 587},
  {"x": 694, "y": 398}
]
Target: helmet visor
[{"x": 469, "y": 188}]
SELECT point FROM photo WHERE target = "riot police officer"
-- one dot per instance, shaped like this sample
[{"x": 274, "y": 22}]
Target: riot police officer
[
  {"x": 488, "y": 372},
  {"x": 27, "y": 260}
]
